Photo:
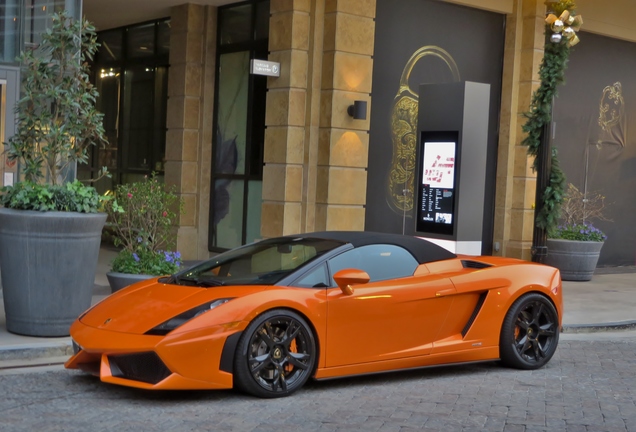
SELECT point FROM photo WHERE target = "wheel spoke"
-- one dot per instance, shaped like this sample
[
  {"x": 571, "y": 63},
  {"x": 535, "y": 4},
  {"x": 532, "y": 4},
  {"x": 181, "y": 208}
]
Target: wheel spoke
[
  {"x": 296, "y": 359},
  {"x": 537, "y": 312},
  {"x": 522, "y": 344},
  {"x": 521, "y": 323},
  {"x": 267, "y": 335},
  {"x": 292, "y": 331},
  {"x": 546, "y": 330},
  {"x": 536, "y": 350},
  {"x": 263, "y": 361}
]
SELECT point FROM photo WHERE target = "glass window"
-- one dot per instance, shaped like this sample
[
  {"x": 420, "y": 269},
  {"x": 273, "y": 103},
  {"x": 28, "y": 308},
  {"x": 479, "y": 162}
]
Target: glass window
[
  {"x": 239, "y": 126},
  {"x": 261, "y": 263},
  {"x": 254, "y": 205},
  {"x": 141, "y": 41},
  {"x": 232, "y": 113},
  {"x": 163, "y": 37},
  {"x": 317, "y": 278},
  {"x": 37, "y": 17},
  {"x": 138, "y": 118},
  {"x": 110, "y": 49},
  {"x": 235, "y": 24},
  {"x": 133, "y": 95},
  {"x": 381, "y": 262},
  {"x": 9, "y": 24},
  {"x": 228, "y": 213}
]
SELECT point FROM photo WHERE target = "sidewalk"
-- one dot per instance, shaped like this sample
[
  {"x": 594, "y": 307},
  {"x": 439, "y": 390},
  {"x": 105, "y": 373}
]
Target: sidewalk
[{"x": 607, "y": 302}]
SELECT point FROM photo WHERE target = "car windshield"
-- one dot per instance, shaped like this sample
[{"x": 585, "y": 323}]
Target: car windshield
[{"x": 262, "y": 263}]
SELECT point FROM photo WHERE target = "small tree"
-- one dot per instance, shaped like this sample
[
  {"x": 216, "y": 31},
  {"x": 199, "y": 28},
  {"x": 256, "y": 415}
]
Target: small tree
[{"x": 56, "y": 117}]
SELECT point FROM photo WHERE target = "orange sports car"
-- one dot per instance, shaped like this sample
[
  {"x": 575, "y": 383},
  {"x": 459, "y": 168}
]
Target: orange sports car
[{"x": 266, "y": 317}]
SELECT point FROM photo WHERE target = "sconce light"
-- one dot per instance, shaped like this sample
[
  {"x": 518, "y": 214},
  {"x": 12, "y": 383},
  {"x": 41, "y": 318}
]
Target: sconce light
[{"x": 358, "y": 110}]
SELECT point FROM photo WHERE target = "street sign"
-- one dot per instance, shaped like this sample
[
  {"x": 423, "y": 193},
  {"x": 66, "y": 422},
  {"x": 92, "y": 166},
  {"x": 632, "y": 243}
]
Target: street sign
[{"x": 264, "y": 67}]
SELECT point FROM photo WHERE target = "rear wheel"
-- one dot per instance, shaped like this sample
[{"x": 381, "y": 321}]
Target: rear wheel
[
  {"x": 275, "y": 356},
  {"x": 530, "y": 333}
]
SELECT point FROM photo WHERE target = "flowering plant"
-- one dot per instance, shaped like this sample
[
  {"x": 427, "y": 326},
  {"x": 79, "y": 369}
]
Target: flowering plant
[
  {"x": 578, "y": 208},
  {"x": 141, "y": 214},
  {"x": 580, "y": 232}
]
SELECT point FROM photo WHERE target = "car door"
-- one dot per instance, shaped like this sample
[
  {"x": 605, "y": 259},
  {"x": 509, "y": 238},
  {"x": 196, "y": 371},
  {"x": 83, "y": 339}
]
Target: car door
[{"x": 393, "y": 316}]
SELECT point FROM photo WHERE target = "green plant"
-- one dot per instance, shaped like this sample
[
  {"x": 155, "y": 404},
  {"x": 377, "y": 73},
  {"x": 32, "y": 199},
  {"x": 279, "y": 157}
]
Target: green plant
[
  {"x": 578, "y": 210},
  {"x": 56, "y": 119},
  {"x": 70, "y": 197},
  {"x": 142, "y": 214},
  {"x": 551, "y": 74}
]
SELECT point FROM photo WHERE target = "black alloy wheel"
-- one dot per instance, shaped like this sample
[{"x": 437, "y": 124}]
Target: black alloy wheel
[
  {"x": 530, "y": 332},
  {"x": 276, "y": 355}
]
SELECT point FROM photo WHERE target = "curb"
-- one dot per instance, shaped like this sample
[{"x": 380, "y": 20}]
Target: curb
[
  {"x": 600, "y": 327},
  {"x": 32, "y": 351}
]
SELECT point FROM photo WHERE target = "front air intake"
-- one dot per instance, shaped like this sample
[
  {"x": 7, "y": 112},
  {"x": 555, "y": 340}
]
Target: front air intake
[{"x": 145, "y": 367}]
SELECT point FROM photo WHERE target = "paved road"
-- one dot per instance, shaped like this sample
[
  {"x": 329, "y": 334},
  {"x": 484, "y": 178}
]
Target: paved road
[{"x": 590, "y": 385}]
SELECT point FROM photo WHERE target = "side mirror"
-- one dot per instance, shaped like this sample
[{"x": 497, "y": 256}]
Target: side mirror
[{"x": 347, "y": 277}]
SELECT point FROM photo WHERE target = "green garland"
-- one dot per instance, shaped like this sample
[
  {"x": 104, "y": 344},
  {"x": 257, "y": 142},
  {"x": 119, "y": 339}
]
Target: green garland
[{"x": 551, "y": 73}]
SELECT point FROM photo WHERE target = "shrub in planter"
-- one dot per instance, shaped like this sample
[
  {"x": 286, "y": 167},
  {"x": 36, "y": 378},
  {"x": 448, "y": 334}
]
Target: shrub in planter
[
  {"x": 142, "y": 215},
  {"x": 574, "y": 247}
]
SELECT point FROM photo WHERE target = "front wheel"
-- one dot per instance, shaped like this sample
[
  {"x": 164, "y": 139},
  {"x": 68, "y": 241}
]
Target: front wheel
[
  {"x": 275, "y": 355},
  {"x": 530, "y": 333}
]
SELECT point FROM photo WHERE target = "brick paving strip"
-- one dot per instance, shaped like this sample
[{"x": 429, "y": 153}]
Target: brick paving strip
[{"x": 588, "y": 386}]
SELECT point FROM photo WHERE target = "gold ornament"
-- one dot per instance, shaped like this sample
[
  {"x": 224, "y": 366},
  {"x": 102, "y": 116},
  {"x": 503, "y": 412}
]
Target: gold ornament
[
  {"x": 557, "y": 26},
  {"x": 565, "y": 27}
]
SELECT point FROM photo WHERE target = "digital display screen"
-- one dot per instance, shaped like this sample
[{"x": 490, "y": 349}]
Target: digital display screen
[{"x": 437, "y": 183}]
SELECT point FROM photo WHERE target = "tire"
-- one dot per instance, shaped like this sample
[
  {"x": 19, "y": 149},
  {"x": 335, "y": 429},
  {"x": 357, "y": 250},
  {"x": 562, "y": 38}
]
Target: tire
[
  {"x": 530, "y": 333},
  {"x": 275, "y": 356}
]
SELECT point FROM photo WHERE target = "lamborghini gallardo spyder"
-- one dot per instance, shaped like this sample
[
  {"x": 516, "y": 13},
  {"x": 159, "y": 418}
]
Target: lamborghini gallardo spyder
[{"x": 268, "y": 316}]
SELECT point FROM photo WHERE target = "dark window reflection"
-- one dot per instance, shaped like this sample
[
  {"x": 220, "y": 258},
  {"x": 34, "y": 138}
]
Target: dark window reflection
[
  {"x": 235, "y": 208},
  {"x": 110, "y": 46},
  {"x": 236, "y": 24},
  {"x": 163, "y": 38},
  {"x": 141, "y": 41},
  {"x": 133, "y": 92}
]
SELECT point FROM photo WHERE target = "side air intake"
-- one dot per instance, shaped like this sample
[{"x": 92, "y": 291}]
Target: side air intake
[{"x": 475, "y": 264}]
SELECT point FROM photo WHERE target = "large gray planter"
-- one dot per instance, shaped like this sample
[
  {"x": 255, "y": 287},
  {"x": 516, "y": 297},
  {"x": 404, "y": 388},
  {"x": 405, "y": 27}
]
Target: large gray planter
[
  {"x": 575, "y": 259},
  {"x": 48, "y": 262},
  {"x": 118, "y": 281}
]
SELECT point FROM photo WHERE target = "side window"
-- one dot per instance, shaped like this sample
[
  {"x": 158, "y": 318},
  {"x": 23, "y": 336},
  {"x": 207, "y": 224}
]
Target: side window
[
  {"x": 317, "y": 278},
  {"x": 381, "y": 262}
]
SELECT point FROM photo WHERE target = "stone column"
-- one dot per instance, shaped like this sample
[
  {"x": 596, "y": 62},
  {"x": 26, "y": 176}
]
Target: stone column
[
  {"x": 285, "y": 118},
  {"x": 189, "y": 118},
  {"x": 315, "y": 154},
  {"x": 344, "y": 142},
  {"x": 516, "y": 182}
]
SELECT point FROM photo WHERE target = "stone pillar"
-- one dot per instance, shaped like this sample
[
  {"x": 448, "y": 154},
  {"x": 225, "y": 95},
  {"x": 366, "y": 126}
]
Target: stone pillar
[
  {"x": 189, "y": 118},
  {"x": 285, "y": 118},
  {"x": 516, "y": 182},
  {"x": 315, "y": 154},
  {"x": 344, "y": 142}
]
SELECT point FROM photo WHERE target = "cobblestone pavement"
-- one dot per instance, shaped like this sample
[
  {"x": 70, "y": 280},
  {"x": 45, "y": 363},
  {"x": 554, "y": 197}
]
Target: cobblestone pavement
[{"x": 588, "y": 386}]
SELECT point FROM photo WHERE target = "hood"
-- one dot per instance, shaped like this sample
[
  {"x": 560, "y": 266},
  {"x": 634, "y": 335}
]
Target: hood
[{"x": 139, "y": 308}]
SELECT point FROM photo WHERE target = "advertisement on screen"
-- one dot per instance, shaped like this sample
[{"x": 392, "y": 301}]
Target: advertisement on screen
[{"x": 437, "y": 180}]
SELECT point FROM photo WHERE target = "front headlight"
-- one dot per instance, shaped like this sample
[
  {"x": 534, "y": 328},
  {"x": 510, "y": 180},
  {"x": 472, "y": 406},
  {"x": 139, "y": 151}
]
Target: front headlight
[{"x": 166, "y": 327}]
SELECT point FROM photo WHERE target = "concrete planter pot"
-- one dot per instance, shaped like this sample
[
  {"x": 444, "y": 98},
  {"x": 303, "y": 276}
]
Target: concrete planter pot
[
  {"x": 48, "y": 262},
  {"x": 575, "y": 259},
  {"x": 118, "y": 281}
]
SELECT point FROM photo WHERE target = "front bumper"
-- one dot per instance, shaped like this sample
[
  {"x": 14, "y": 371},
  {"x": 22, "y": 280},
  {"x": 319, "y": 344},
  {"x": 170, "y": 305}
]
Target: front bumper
[{"x": 189, "y": 360}]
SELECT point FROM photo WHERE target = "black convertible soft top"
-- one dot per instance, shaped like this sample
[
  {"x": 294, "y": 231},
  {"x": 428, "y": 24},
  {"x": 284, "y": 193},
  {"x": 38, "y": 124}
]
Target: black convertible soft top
[{"x": 423, "y": 250}]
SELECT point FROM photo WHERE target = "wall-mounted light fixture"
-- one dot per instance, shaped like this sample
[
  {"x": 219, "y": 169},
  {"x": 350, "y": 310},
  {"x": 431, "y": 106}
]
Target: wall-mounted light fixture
[{"x": 358, "y": 110}]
